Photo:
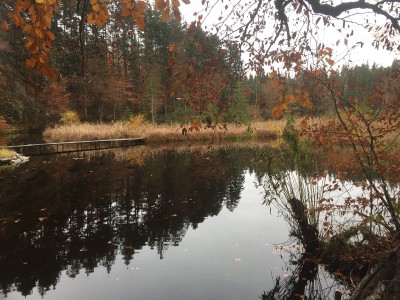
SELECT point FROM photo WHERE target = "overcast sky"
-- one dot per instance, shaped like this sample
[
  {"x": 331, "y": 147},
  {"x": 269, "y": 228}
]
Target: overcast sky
[{"x": 358, "y": 56}]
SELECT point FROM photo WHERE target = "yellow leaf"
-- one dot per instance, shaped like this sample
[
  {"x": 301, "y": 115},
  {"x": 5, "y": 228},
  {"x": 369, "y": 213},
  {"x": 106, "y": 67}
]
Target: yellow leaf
[{"x": 40, "y": 1}]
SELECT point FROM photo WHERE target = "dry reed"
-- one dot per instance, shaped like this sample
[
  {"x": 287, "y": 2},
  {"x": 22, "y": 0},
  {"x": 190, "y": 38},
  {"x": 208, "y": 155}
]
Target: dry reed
[{"x": 163, "y": 133}]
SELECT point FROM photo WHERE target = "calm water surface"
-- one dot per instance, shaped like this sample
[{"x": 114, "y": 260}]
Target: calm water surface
[{"x": 157, "y": 226}]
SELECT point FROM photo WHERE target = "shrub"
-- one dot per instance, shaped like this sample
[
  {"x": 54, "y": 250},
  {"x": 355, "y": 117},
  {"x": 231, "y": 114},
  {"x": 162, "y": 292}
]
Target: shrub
[
  {"x": 136, "y": 121},
  {"x": 6, "y": 153},
  {"x": 69, "y": 117}
]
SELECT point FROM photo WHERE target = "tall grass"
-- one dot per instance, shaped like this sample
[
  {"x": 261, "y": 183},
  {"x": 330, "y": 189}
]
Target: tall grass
[
  {"x": 162, "y": 133},
  {"x": 6, "y": 153}
]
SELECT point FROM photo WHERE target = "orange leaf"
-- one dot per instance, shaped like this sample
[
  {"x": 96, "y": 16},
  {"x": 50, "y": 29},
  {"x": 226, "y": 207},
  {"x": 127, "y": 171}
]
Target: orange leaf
[
  {"x": 126, "y": 12},
  {"x": 171, "y": 47},
  {"x": 160, "y": 5},
  {"x": 273, "y": 75},
  {"x": 330, "y": 61},
  {"x": 91, "y": 18},
  {"x": 50, "y": 36},
  {"x": 165, "y": 15},
  {"x": 30, "y": 62},
  {"x": 5, "y": 26},
  {"x": 48, "y": 72},
  {"x": 141, "y": 6},
  {"x": 277, "y": 112},
  {"x": 303, "y": 124},
  {"x": 289, "y": 97},
  {"x": 140, "y": 22}
]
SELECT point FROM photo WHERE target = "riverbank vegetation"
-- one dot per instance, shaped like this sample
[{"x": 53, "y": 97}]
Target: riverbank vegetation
[
  {"x": 267, "y": 130},
  {"x": 6, "y": 153}
]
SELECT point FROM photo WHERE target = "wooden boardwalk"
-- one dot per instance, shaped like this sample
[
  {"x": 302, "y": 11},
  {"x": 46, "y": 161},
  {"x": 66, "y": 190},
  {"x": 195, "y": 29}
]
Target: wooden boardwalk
[{"x": 65, "y": 147}]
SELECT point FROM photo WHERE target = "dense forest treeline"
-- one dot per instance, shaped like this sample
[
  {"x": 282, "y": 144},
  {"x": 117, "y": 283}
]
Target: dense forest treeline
[{"x": 165, "y": 72}]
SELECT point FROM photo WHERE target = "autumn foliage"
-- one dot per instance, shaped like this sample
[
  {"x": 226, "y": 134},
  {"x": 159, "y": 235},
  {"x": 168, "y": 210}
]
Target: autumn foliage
[{"x": 36, "y": 17}]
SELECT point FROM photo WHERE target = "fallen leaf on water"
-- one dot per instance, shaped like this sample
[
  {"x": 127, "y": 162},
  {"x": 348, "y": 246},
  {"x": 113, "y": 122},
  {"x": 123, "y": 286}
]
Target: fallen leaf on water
[
  {"x": 237, "y": 259},
  {"x": 42, "y": 219}
]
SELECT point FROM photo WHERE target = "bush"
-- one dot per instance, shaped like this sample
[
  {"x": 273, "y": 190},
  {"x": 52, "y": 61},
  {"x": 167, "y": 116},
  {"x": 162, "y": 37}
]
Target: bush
[
  {"x": 137, "y": 120},
  {"x": 6, "y": 153},
  {"x": 69, "y": 117}
]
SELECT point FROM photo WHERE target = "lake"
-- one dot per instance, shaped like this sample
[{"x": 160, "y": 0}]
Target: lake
[{"x": 144, "y": 224}]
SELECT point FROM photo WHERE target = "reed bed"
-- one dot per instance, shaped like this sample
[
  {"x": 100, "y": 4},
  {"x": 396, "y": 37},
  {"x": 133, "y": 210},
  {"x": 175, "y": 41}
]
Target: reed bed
[{"x": 164, "y": 133}]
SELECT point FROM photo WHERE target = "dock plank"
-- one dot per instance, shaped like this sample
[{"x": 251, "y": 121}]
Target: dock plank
[{"x": 74, "y": 146}]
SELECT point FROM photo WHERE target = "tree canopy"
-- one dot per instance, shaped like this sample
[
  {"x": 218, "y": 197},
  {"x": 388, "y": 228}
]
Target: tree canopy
[{"x": 289, "y": 23}]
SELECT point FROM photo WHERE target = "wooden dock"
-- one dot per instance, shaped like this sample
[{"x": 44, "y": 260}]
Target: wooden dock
[{"x": 75, "y": 146}]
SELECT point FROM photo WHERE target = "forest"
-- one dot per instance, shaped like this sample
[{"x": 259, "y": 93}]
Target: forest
[{"x": 166, "y": 72}]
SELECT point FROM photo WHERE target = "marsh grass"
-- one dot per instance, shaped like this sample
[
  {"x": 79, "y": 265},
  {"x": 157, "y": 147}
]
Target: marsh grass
[
  {"x": 163, "y": 133},
  {"x": 6, "y": 153}
]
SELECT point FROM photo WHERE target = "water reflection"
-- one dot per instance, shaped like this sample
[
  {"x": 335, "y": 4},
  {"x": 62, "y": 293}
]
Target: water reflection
[
  {"x": 74, "y": 215},
  {"x": 63, "y": 218}
]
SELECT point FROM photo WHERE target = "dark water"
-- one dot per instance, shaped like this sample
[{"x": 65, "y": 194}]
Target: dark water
[{"x": 169, "y": 225}]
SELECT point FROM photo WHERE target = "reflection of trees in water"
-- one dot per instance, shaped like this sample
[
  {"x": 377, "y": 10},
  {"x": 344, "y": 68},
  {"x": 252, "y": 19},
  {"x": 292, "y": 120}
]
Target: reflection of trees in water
[
  {"x": 292, "y": 191},
  {"x": 76, "y": 215}
]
